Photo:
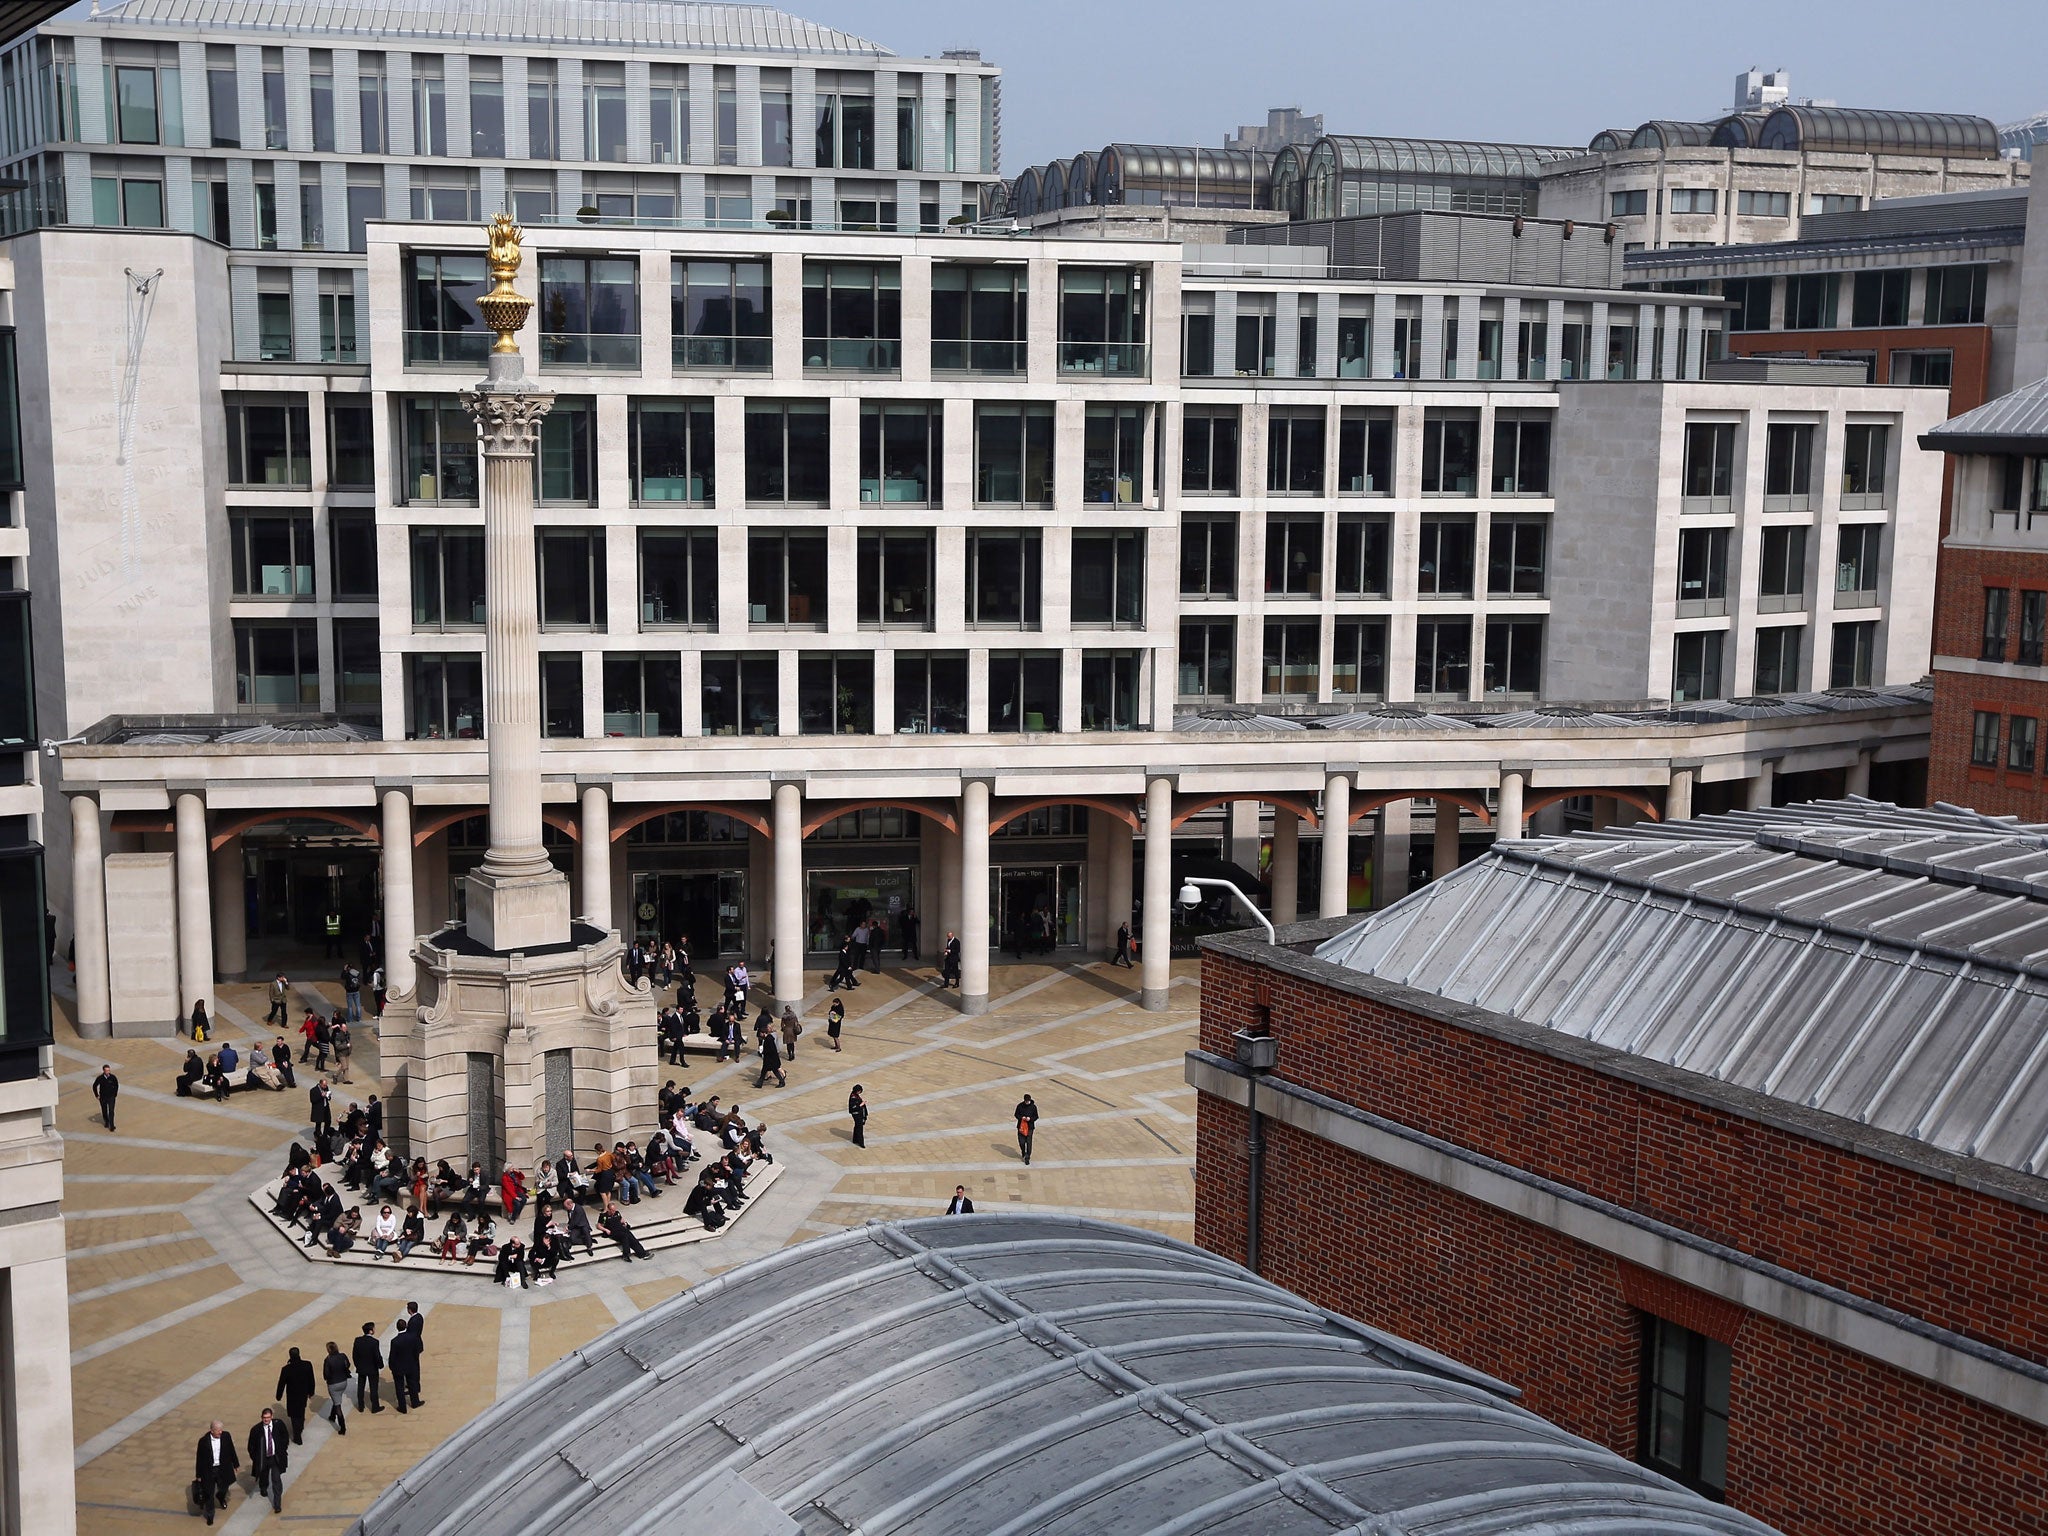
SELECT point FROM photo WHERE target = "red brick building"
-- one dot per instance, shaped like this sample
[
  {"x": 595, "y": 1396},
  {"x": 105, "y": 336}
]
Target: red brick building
[{"x": 1723, "y": 1140}]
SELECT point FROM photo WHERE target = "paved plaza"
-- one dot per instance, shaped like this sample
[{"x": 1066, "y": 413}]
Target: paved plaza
[{"x": 184, "y": 1301}]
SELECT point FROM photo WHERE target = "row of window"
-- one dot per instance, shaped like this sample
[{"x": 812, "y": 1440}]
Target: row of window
[
  {"x": 2019, "y": 733},
  {"x": 1253, "y": 351},
  {"x": 2033, "y": 626},
  {"x": 1698, "y": 655},
  {"x": 2019, "y": 488},
  {"x": 1445, "y": 559},
  {"x": 1293, "y": 664},
  {"x": 145, "y": 105},
  {"x": 1297, "y": 439},
  {"x": 1781, "y": 578},
  {"x": 1750, "y": 202},
  {"x": 1792, "y": 457},
  {"x": 1951, "y": 295}
]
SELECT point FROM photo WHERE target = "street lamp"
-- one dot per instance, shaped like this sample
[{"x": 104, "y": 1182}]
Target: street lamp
[
  {"x": 1192, "y": 886},
  {"x": 1258, "y": 1053}
]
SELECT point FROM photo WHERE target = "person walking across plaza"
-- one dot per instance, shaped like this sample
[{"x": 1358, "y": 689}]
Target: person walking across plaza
[
  {"x": 270, "y": 1455},
  {"x": 1027, "y": 1126},
  {"x": 295, "y": 1390},
  {"x": 857, "y": 1106},
  {"x": 214, "y": 1468},
  {"x": 369, "y": 1361},
  {"x": 334, "y": 1371},
  {"x": 959, "y": 1205},
  {"x": 1123, "y": 945},
  {"x": 106, "y": 1088},
  {"x": 352, "y": 991},
  {"x": 280, "y": 1004},
  {"x": 790, "y": 1027},
  {"x": 949, "y": 962},
  {"x": 771, "y": 1061}
]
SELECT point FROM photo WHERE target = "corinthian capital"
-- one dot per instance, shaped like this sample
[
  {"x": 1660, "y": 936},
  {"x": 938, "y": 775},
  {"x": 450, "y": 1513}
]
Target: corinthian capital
[{"x": 507, "y": 422}]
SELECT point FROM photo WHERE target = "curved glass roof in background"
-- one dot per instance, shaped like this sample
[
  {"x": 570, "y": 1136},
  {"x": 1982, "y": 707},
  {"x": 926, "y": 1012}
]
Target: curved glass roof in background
[
  {"x": 1024, "y": 192},
  {"x": 1174, "y": 167},
  {"x": 1441, "y": 157},
  {"x": 1039, "y": 1375},
  {"x": 1608, "y": 140},
  {"x": 1737, "y": 130},
  {"x": 1663, "y": 133},
  {"x": 1081, "y": 180},
  {"x": 1290, "y": 166},
  {"x": 1869, "y": 130},
  {"x": 1052, "y": 192}
]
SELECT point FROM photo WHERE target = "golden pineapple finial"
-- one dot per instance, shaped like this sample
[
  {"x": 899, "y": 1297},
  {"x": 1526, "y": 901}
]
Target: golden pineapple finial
[{"x": 504, "y": 308}]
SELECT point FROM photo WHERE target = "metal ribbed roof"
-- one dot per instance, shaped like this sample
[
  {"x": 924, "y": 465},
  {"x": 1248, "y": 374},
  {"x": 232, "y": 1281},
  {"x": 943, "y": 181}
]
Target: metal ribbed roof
[
  {"x": 1398, "y": 718},
  {"x": 1664, "y": 133},
  {"x": 1227, "y": 721},
  {"x": 1879, "y": 130},
  {"x": 2013, "y": 423},
  {"x": 1021, "y": 1374},
  {"x": 1883, "y": 965},
  {"x": 1442, "y": 157},
  {"x": 635, "y": 23}
]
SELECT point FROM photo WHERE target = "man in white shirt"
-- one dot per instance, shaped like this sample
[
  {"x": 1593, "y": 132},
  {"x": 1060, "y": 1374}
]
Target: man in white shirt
[{"x": 214, "y": 1468}]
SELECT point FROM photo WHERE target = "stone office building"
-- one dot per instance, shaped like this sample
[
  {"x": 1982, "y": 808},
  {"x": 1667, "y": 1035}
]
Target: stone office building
[{"x": 901, "y": 571}]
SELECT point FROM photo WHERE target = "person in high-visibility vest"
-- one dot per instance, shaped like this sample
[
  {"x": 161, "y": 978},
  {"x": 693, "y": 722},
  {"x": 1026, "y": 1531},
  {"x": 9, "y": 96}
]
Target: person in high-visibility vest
[{"x": 333, "y": 934}]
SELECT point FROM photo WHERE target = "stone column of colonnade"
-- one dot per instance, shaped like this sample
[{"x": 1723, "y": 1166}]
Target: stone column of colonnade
[
  {"x": 401, "y": 928},
  {"x": 594, "y": 858},
  {"x": 1155, "y": 955},
  {"x": 230, "y": 912},
  {"x": 1120, "y": 850},
  {"x": 1508, "y": 823},
  {"x": 786, "y": 910},
  {"x": 195, "y": 903},
  {"x": 1336, "y": 883},
  {"x": 1443, "y": 853},
  {"x": 974, "y": 795},
  {"x": 1757, "y": 792},
  {"x": 1286, "y": 874},
  {"x": 1678, "y": 794},
  {"x": 89, "y": 919}
]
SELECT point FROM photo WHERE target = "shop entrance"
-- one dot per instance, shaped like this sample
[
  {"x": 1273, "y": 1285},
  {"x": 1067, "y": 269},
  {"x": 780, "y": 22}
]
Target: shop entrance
[
  {"x": 1035, "y": 907},
  {"x": 708, "y": 906},
  {"x": 839, "y": 899}
]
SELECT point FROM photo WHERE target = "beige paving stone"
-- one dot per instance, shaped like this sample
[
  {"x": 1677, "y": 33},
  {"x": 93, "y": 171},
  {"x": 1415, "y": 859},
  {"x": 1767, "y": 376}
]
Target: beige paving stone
[
  {"x": 560, "y": 1326},
  {"x": 92, "y": 1321}
]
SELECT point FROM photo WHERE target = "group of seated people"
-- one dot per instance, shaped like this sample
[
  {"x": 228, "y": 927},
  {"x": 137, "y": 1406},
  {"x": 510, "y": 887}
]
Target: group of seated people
[{"x": 214, "y": 1076}]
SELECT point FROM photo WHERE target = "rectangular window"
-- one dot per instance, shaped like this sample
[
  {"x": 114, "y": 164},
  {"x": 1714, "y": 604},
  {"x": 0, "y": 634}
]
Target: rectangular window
[
  {"x": 1702, "y": 572},
  {"x": 1444, "y": 553},
  {"x": 274, "y": 327},
  {"x": 1294, "y": 556},
  {"x": 566, "y": 462},
  {"x": 1984, "y": 732},
  {"x": 269, "y": 440},
  {"x": 907, "y": 135},
  {"x": 1294, "y": 451},
  {"x": 320, "y": 85},
  {"x": 1709, "y": 471},
  {"x": 1866, "y": 464},
  {"x": 2020, "y": 735},
  {"x": 1621, "y": 352},
  {"x": 1365, "y": 452},
  {"x": 1197, "y": 346},
  {"x": 1358, "y": 663},
  {"x": 358, "y": 668},
  {"x": 1514, "y": 658},
  {"x": 429, "y": 106},
  {"x": 1777, "y": 660},
  {"x": 1024, "y": 691},
  {"x": 1354, "y": 347},
  {"x": 1443, "y": 659},
  {"x": 1208, "y": 450},
  {"x": 668, "y": 114},
  {"x": 741, "y": 696},
  {"x": 1515, "y": 556},
  {"x": 1108, "y": 571},
  {"x": 1683, "y": 1414},
  {"x": 1575, "y": 352},
  {"x": 788, "y": 450},
  {"x": 447, "y": 578},
  {"x": 1407, "y": 346},
  {"x": 1013, "y": 447},
  {"x": 1113, "y": 454},
  {"x": 1207, "y": 661},
  {"x": 1764, "y": 205},
  {"x": 561, "y": 694},
  {"x": 542, "y": 110},
  {"x": 337, "y": 307},
  {"x": 1696, "y": 665},
  {"x": 352, "y": 555},
  {"x": 440, "y": 464},
  {"x": 351, "y": 460},
  {"x": 486, "y": 111},
  {"x": 1833, "y": 202},
  {"x": 1810, "y": 300},
  {"x": 1881, "y": 297},
  {"x": 1532, "y": 350},
  {"x": 835, "y": 695},
  {"x": 1997, "y": 615},
  {"x": 1955, "y": 295},
  {"x": 277, "y": 664},
  {"x": 135, "y": 104},
  {"x": 1003, "y": 579},
  {"x": 1632, "y": 204},
  {"x": 1781, "y": 584},
  {"x": 901, "y": 452},
  {"x": 1256, "y": 345},
  {"x": 443, "y": 324},
  {"x": 931, "y": 694},
  {"x": 571, "y": 577},
  {"x": 365, "y": 202},
  {"x": 1854, "y": 655},
  {"x": 1489, "y": 349},
  {"x": 1450, "y": 357},
  {"x": 670, "y": 451},
  {"x": 787, "y": 579},
  {"x": 1752, "y": 296},
  {"x": 1111, "y": 699},
  {"x": 370, "y": 102},
  {"x": 1788, "y": 466},
  {"x": 978, "y": 318},
  {"x": 1291, "y": 664},
  {"x": 1694, "y": 199},
  {"x": 224, "y": 107},
  {"x": 643, "y": 696},
  {"x": 1521, "y": 455},
  {"x": 1450, "y": 453},
  {"x": 895, "y": 579},
  {"x": 777, "y": 142},
  {"x": 1931, "y": 369},
  {"x": 853, "y": 316},
  {"x": 590, "y": 312},
  {"x": 1363, "y": 554},
  {"x": 604, "y": 112},
  {"x": 445, "y": 698},
  {"x": 2033, "y": 627},
  {"x": 719, "y": 311},
  {"x": 1856, "y": 565},
  {"x": 845, "y": 130},
  {"x": 1102, "y": 324},
  {"x": 725, "y": 114},
  {"x": 272, "y": 553},
  {"x": 1208, "y": 555},
  {"x": 678, "y": 578}
]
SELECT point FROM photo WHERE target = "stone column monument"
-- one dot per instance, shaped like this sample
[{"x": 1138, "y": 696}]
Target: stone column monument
[{"x": 522, "y": 1037}]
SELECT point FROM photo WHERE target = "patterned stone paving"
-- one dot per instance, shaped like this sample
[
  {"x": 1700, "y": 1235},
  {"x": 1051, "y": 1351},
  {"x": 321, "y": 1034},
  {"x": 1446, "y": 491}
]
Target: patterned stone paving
[{"x": 184, "y": 1302}]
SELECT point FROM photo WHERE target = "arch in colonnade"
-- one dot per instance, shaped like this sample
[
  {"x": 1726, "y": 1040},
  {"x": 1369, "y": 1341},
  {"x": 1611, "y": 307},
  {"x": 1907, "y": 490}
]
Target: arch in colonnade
[
  {"x": 641, "y": 814},
  {"x": 1000, "y": 817},
  {"x": 1634, "y": 797},
  {"x": 363, "y": 823},
  {"x": 441, "y": 821},
  {"x": 816, "y": 819},
  {"x": 1302, "y": 806},
  {"x": 1365, "y": 807}
]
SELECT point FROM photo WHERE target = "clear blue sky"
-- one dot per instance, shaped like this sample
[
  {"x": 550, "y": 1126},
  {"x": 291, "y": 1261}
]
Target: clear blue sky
[{"x": 1080, "y": 75}]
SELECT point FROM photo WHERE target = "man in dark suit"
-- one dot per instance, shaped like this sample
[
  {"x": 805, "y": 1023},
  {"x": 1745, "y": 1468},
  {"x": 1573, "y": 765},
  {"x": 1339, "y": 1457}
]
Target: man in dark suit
[
  {"x": 294, "y": 1390},
  {"x": 320, "y": 1102},
  {"x": 270, "y": 1453},
  {"x": 106, "y": 1088},
  {"x": 960, "y": 1205},
  {"x": 376, "y": 1120},
  {"x": 214, "y": 1467},
  {"x": 369, "y": 1361},
  {"x": 405, "y": 1364}
]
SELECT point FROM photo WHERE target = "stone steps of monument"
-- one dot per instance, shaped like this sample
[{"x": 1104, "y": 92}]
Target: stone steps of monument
[{"x": 652, "y": 1220}]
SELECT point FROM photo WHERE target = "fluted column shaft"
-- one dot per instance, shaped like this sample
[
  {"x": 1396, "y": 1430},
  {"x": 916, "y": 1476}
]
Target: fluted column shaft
[
  {"x": 512, "y": 657},
  {"x": 596, "y": 857},
  {"x": 400, "y": 927}
]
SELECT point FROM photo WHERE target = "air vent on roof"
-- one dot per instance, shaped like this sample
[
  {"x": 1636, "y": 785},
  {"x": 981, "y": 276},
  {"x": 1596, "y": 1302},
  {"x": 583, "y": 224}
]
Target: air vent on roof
[
  {"x": 1229, "y": 714},
  {"x": 1852, "y": 693},
  {"x": 1394, "y": 712}
]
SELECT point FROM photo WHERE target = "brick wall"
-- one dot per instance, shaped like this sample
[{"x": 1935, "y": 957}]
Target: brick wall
[
  {"x": 1958, "y": 631},
  {"x": 1822, "y": 1442},
  {"x": 1963, "y": 1260}
]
